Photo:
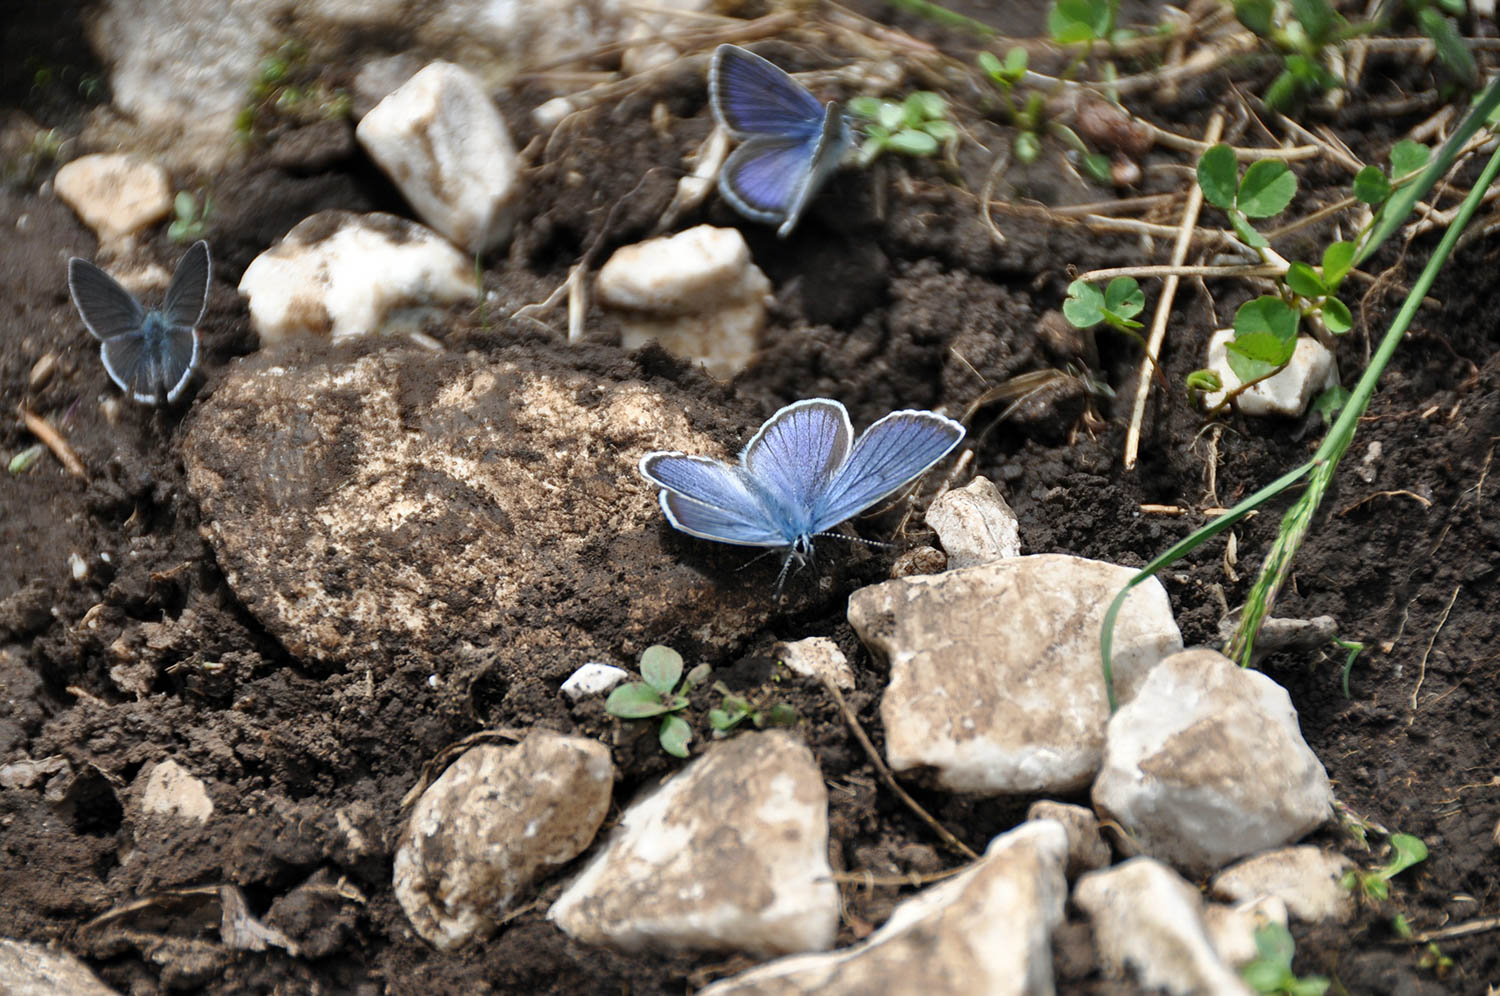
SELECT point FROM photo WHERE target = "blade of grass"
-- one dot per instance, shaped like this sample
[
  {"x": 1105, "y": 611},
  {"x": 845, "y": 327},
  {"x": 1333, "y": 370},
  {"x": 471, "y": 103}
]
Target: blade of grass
[
  {"x": 942, "y": 15},
  {"x": 1299, "y": 517},
  {"x": 1323, "y": 463}
]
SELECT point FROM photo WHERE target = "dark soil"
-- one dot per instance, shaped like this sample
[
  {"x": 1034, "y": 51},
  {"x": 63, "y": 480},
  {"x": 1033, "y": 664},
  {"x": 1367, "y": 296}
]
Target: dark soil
[{"x": 891, "y": 294}]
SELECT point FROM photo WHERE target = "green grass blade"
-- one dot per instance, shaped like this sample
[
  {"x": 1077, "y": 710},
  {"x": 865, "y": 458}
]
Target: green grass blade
[
  {"x": 1299, "y": 517},
  {"x": 1179, "y": 550}
]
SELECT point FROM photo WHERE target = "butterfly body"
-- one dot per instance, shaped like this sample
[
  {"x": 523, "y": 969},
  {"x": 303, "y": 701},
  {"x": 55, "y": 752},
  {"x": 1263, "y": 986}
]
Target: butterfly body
[
  {"x": 790, "y": 142},
  {"x": 149, "y": 354},
  {"x": 801, "y": 475}
]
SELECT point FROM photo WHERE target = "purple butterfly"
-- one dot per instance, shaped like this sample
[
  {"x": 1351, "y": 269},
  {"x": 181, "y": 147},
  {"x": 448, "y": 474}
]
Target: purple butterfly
[
  {"x": 802, "y": 474},
  {"x": 149, "y": 354},
  {"x": 790, "y": 143}
]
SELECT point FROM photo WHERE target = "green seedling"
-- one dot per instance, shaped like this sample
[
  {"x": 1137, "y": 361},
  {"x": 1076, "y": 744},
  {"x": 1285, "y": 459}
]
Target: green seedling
[
  {"x": 659, "y": 694},
  {"x": 1303, "y": 33},
  {"x": 285, "y": 87},
  {"x": 1028, "y": 115},
  {"x": 1432, "y": 956},
  {"x": 1115, "y": 306},
  {"x": 1082, "y": 22},
  {"x": 735, "y": 709},
  {"x": 26, "y": 459},
  {"x": 1271, "y": 970},
  {"x": 1373, "y": 186},
  {"x": 188, "y": 221},
  {"x": 1374, "y": 886},
  {"x": 1267, "y": 187},
  {"x": 1433, "y": 19},
  {"x": 918, "y": 126}
]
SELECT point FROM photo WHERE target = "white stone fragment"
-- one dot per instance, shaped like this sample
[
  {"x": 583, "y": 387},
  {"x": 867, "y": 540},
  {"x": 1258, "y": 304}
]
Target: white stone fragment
[
  {"x": 1087, "y": 850},
  {"x": 817, "y": 657},
  {"x": 172, "y": 790},
  {"x": 1310, "y": 372},
  {"x": 1232, "y": 929},
  {"x": 78, "y": 566},
  {"x": 697, "y": 293},
  {"x": 975, "y": 524},
  {"x": 31, "y": 969},
  {"x": 116, "y": 195},
  {"x": 441, "y": 140},
  {"x": 985, "y": 932},
  {"x": 730, "y": 854},
  {"x": 342, "y": 275},
  {"x": 593, "y": 679},
  {"x": 995, "y": 680},
  {"x": 1206, "y": 764},
  {"x": 1306, "y": 878},
  {"x": 644, "y": 29},
  {"x": 492, "y": 824},
  {"x": 1148, "y": 921}
]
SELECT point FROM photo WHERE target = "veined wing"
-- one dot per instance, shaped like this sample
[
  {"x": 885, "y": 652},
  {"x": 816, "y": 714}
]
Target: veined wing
[
  {"x": 107, "y": 308},
  {"x": 795, "y": 455},
  {"x": 767, "y": 179},
  {"x": 187, "y": 294},
  {"x": 711, "y": 500},
  {"x": 751, "y": 96},
  {"x": 888, "y": 456}
]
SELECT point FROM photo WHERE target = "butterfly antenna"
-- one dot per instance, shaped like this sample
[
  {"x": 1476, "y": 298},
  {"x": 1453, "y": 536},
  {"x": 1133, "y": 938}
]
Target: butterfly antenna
[{"x": 858, "y": 539}]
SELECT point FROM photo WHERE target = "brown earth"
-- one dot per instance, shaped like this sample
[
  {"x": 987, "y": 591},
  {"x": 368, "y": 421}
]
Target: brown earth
[{"x": 891, "y": 279}]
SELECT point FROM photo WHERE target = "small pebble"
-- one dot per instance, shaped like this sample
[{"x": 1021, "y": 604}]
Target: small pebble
[
  {"x": 43, "y": 370},
  {"x": 79, "y": 565}
]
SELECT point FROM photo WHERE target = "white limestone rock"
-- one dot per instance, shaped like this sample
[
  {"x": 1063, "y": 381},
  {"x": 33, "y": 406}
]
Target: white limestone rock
[
  {"x": 1310, "y": 372},
  {"x": 697, "y": 293},
  {"x": 995, "y": 680},
  {"x": 1149, "y": 922},
  {"x": 116, "y": 195},
  {"x": 1087, "y": 850},
  {"x": 730, "y": 854},
  {"x": 985, "y": 932},
  {"x": 1305, "y": 878},
  {"x": 593, "y": 679},
  {"x": 492, "y": 824},
  {"x": 441, "y": 140},
  {"x": 817, "y": 657},
  {"x": 30, "y": 969},
  {"x": 1206, "y": 764},
  {"x": 180, "y": 68},
  {"x": 1231, "y": 929},
  {"x": 171, "y": 790},
  {"x": 975, "y": 524},
  {"x": 644, "y": 30},
  {"x": 342, "y": 274}
]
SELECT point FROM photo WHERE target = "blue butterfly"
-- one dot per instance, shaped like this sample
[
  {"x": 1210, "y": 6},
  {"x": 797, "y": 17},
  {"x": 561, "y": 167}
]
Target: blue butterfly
[
  {"x": 802, "y": 474},
  {"x": 791, "y": 143},
  {"x": 149, "y": 354}
]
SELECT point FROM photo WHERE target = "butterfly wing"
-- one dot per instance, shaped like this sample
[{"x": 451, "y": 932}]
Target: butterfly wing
[
  {"x": 187, "y": 295},
  {"x": 833, "y": 141},
  {"x": 750, "y": 96},
  {"x": 795, "y": 455},
  {"x": 766, "y": 179},
  {"x": 711, "y": 500},
  {"x": 889, "y": 455},
  {"x": 152, "y": 364},
  {"x": 107, "y": 309}
]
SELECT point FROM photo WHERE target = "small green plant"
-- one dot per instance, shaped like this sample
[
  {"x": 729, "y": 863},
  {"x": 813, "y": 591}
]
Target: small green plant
[
  {"x": 1433, "y": 19},
  {"x": 1115, "y": 306},
  {"x": 1301, "y": 32},
  {"x": 1432, "y": 956},
  {"x": 1028, "y": 114},
  {"x": 1271, "y": 970},
  {"x": 286, "y": 87},
  {"x": 1266, "y": 189},
  {"x": 918, "y": 126},
  {"x": 735, "y": 709},
  {"x": 1082, "y": 22},
  {"x": 1373, "y": 186},
  {"x": 659, "y": 694},
  {"x": 26, "y": 459},
  {"x": 188, "y": 220},
  {"x": 1375, "y": 885}
]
